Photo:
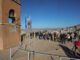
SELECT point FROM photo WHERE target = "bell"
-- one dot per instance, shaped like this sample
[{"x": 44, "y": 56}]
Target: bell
[{"x": 11, "y": 14}]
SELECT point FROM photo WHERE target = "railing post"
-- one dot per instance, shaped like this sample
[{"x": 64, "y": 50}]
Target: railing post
[
  {"x": 24, "y": 47},
  {"x": 28, "y": 55},
  {"x": 10, "y": 54},
  {"x": 33, "y": 55},
  {"x": 60, "y": 58}
]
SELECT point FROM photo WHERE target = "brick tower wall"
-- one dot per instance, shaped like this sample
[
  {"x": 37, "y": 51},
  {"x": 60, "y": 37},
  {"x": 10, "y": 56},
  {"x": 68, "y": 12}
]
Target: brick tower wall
[{"x": 9, "y": 38}]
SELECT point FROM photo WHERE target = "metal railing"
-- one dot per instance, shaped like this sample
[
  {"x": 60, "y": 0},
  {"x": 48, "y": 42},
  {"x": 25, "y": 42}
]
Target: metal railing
[
  {"x": 44, "y": 54},
  {"x": 51, "y": 55}
]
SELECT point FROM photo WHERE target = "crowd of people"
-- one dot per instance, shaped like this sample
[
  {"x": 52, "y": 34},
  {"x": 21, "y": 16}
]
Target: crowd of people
[
  {"x": 73, "y": 37},
  {"x": 60, "y": 37}
]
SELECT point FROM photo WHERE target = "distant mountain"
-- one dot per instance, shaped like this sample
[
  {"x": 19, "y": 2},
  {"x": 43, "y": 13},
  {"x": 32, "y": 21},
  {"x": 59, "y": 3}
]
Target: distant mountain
[
  {"x": 36, "y": 29},
  {"x": 40, "y": 29}
]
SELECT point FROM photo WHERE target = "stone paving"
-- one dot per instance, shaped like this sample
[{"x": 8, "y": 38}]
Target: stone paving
[{"x": 43, "y": 46}]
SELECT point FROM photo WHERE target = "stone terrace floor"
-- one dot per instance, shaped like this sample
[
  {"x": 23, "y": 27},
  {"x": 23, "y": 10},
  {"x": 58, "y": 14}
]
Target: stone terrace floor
[{"x": 43, "y": 46}]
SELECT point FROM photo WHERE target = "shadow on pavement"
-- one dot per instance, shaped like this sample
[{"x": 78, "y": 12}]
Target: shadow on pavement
[{"x": 69, "y": 52}]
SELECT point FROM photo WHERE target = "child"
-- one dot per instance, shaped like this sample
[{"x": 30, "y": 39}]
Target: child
[{"x": 76, "y": 44}]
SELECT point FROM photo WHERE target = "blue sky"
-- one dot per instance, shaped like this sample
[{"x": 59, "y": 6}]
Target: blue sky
[{"x": 50, "y": 13}]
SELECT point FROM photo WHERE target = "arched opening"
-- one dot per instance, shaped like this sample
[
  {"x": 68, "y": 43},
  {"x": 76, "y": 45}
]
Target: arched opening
[{"x": 11, "y": 16}]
